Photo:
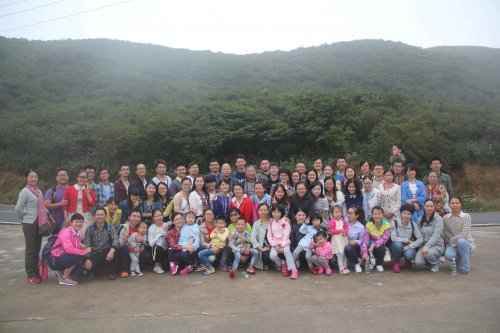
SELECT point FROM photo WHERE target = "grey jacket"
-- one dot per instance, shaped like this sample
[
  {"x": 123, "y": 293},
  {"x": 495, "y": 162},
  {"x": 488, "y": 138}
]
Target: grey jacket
[
  {"x": 27, "y": 206},
  {"x": 432, "y": 232},
  {"x": 402, "y": 234},
  {"x": 257, "y": 238}
]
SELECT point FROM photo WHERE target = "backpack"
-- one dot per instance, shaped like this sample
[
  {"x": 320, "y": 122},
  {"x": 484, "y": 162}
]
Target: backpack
[{"x": 47, "y": 248}]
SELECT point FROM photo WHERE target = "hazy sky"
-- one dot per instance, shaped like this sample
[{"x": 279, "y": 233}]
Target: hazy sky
[{"x": 241, "y": 27}]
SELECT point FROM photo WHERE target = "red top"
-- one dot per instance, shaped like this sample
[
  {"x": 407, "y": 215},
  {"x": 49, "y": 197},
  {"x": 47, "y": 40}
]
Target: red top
[
  {"x": 173, "y": 236},
  {"x": 246, "y": 208},
  {"x": 71, "y": 195},
  {"x": 209, "y": 231}
]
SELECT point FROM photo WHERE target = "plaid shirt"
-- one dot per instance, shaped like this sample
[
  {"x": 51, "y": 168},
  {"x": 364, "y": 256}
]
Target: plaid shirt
[
  {"x": 102, "y": 239},
  {"x": 99, "y": 194}
]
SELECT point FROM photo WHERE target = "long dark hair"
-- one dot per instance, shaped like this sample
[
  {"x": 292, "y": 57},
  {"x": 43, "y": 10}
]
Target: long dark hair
[
  {"x": 286, "y": 197},
  {"x": 424, "y": 217},
  {"x": 168, "y": 196},
  {"x": 334, "y": 187}
]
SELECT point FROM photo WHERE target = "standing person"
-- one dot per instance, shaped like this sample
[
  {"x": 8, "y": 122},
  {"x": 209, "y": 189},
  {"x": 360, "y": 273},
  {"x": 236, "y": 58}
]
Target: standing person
[
  {"x": 161, "y": 172},
  {"x": 370, "y": 196},
  {"x": 355, "y": 233},
  {"x": 273, "y": 177},
  {"x": 104, "y": 189},
  {"x": 353, "y": 194},
  {"x": 250, "y": 180},
  {"x": 227, "y": 174},
  {"x": 389, "y": 196},
  {"x": 341, "y": 163},
  {"x": 258, "y": 237},
  {"x": 318, "y": 167},
  {"x": 301, "y": 168},
  {"x": 150, "y": 201},
  {"x": 175, "y": 187},
  {"x": 141, "y": 181},
  {"x": 294, "y": 178},
  {"x": 334, "y": 196},
  {"x": 431, "y": 226},
  {"x": 301, "y": 199},
  {"x": 30, "y": 209},
  {"x": 193, "y": 172},
  {"x": 397, "y": 154},
  {"x": 213, "y": 166},
  {"x": 284, "y": 175},
  {"x": 79, "y": 198},
  {"x": 399, "y": 175},
  {"x": 364, "y": 168},
  {"x": 198, "y": 198},
  {"x": 437, "y": 193},
  {"x": 90, "y": 176},
  {"x": 321, "y": 205},
  {"x": 339, "y": 230},
  {"x": 239, "y": 175},
  {"x": 377, "y": 233},
  {"x": 167, "y": 201},
  {"x": 258, "y": 198},
  {"x": 181, "y": 199},
  {"x": 243, "y": 203},
  {"x": 136, "y": 245},
  {"x": 378, "y": 175},
  {"x": 413, "y": 192},
  {"x": 457, "y": 234},
  {"x": 222, "y": 205},
  {"x": 122, "y": 184},
  {"x": 211, "y": 189},
  {"x": 54, "y": 198},
  {"x": 443, "y": 178},
  {"x": 263, "y": 175}
]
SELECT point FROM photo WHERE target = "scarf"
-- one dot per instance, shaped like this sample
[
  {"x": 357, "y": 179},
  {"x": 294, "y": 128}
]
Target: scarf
[{"x": 42, "y": 215}]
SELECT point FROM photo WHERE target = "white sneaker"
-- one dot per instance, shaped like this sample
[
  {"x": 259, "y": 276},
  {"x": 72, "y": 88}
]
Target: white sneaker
[
  {"x": 379, "y": 268},
  {"x": 158, "y": 269},
  {"x": 357, "y": 268}
]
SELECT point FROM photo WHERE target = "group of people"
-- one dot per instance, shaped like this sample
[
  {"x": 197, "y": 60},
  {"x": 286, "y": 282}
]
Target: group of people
[{"x": 328, "y": 216}]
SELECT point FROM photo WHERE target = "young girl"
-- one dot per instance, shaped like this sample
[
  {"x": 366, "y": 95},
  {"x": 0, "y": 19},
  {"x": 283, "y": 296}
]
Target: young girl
[
  {"x": 339, "y": 229},
  {"x": 321, "y": 205},
  {"x": 218, "y": 240},
  {"x": 323, "y": 252},
  {"x": 308, "y": 230},
  {"x": 136, "y": 244},
  {"x": 353, "y": 195},
  {"x": 240, "y": 245},
  {"x": 113, "y": 213},
  {"x": 278, "y": 236},
  {"x": 190, "y": 235},
  {"x": 377, "y": 232}
]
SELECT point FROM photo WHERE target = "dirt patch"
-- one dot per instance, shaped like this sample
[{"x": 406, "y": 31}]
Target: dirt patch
[{"x": 10, "y": 185}]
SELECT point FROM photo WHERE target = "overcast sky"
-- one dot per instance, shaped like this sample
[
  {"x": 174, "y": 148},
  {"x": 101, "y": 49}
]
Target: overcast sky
[{"x": 241, "y": 27}]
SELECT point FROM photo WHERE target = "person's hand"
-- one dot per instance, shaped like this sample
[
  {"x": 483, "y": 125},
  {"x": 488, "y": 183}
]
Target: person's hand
[
  {"x": 110, "y": 255},
  {"x": 406, "y": 247},
  {"x": 136, "y": 204},
  {"x": 388, "y": 214},
  {"x": 417, "y": 206},
  {"x": 287, "y": 219},
  {"x": 280, "y": 249},
  {"x": 87, "y": 264},
  {"x": 265, "y": 248},
  {"x": 89, "y": 249},
  {"x": 274, "y": 200},
  {"x": 230, "y": 237},
  {"x": 189, "y": 248},
  {"x": 371, "y": 249},
  {"x": 365, "y": 257},
  {"x": 352, "y": 242},
  {"x": 425, "y": 249},
  {"x": 82, "y": 246},
  {"x": 243, "y": 240},
  {"x": 344, "y": 234}
]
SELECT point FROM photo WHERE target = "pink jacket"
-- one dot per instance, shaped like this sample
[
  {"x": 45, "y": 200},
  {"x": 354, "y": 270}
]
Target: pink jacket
[
  {"x": 68, "y": 242},
  {"x": 324, "y": 250},
  {"x": 278, "y": 233},
  {"x": 335, "y": 231}
]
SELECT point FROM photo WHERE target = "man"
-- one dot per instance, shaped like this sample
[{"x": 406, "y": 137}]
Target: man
[
  {"x": 399, "y": 174},
  {"x": 301, "y": 168},
  {"x": 180, "y": 172},
  {"x": 263, "y": 175},
  {"x": 227, "y": 174},
  {"x": 239, "y": 175},
  {"x": 397, "y": 154},
  {"x": 341, "y": 166},
  {"x": 103, "y": 241},
  {"x": 318, "y": 167},
  {"x": 141, "y": 180},
  {"x": 273, "y": 177},
  {"x": 90, "y": 176},
  {"x": 250, "y": 180},
  {"x": 193, "y": 171},
  {"x": 122, "y": 184},
  {"x": 161, "y": 172},
  {"x": 54, "y": 198},
  {"x": 443, "y": 178},
  {"x": 213, "y": 166},
  {"x": 378, "y": 175},
  {"x": 104, "y": 190}
]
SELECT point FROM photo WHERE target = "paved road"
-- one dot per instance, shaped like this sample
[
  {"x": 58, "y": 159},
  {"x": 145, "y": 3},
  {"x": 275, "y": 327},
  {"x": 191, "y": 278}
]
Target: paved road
[{"x": 7, "y": 214}]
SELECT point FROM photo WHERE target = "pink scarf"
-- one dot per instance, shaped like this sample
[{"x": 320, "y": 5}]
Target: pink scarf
[{"x": 42, "y": 215}]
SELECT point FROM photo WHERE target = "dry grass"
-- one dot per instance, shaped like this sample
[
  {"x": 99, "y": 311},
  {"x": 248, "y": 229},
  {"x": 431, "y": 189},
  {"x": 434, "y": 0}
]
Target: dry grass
[
  {"x": 482, "y": 182},
  {"x": 10, "y": 185}
]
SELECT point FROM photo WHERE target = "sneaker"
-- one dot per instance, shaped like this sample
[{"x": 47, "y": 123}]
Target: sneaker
[
  {"x": 295, "y": 274},
  {"x": 186, "y": 270},
  {"x": 223, "y": 267},
  {"x": 232, "y": 273},
  {"x": 112, "y": 277},
  {"x": 59, "y": 275},
  {"x": 408, "y": 264},
  {"x": 266, "y": 268},
  {"x": 133, "y": 273},
  {"x": 313, "y": 270},
  {"x": 357, "y": 268},
  {"x": 33, "y": 280},
  {"x": 284, "y": 268},
  {"x": 379, "y": 268},
  {"x": 209, "y": 271},
  {"x": 321, "y": 270},
  {"x": 67, "y": 282},
  {"x": 328, "y": 271},
  {"x": 396, "y": 268},
  {"x": 173, "y": 269},
  {"x": 139, "y": 273},
  {"x": 124, "y": 275},
  {"x": 158, "y": 269},
  {"x": 435, "y": 268},
  {"x": 200, "y": 268},
  {"x": 251, "y": 270},
  {"x": 343, "y": 271}
]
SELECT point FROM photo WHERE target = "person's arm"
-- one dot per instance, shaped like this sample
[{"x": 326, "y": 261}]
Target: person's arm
[
  {"x": 232, "y": 245},
  {"x": 286, "y": 235},
  {"x": 449, "y": 185},
  {"x": 270, "y": 237},
  {"x": 21, "y": 201},
  {"x": 69, "y": 247},
  {"x": 346, "y": 228},
  {"x": 394, "y": 233},
  {"x": 172, "y": 242},
  {"x": 303, "y": 228},
  {"x": 87, "y": 241},
  {"x": 364, "y": 243},
  {"x": 438, "y": 231},
  {"x": 397, "y": 201},
  {"x": 333, "y": 227},
  {"x": 418, "y": 235},
  {"x": 421, "y": 194},
  {"x": 224, "y": 235},
  {"x": 151, "y": 235},
  {"x": 383, "y": 239},
  {"x": 340, "y": 198},
  {"x": 253, "y": 236}
]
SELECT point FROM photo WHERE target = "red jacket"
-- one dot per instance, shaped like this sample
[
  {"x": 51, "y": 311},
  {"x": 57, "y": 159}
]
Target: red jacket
[
  {"x": 71, "y": 195},
  {"x": 246, "y": 208}
]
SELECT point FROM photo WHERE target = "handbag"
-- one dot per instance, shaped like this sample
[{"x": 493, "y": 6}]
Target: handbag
[{"x": 48, "y": 228}]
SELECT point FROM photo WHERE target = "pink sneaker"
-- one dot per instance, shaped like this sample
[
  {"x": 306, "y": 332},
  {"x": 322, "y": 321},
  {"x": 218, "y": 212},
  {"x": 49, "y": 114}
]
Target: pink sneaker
[
  {"x": 295, "y": 274},
  {"x": 284, "y": 268},
  {"x": 321, "y": 270},
  {"x": 345, "y": 271},
  {"x": 33, "y": 280},
  {"x": 173, "y": 269},
  {"x": 328, "y": 271},
  {"x": 186, "y": 270}
]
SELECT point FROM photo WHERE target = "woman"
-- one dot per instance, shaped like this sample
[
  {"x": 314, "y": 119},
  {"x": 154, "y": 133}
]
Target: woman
[
  {"x": 243, "y": 203},
  {"x": 206, "y": 227},
  {"x": 167, "y": 201},
  {"x": 389, "y": 196},
  {"x": 258, "y": 238},
  {"x": 413, "y": 192},
  {"x": 370, "y": 196},
  {"x": 333, "y": 194},
  {"x": 284, "y": 175},
  {"x": 377, "y": 233},
  {"x": 329, "y": 171},
  {"x": 198, "y": 199},
  {"x": 301, "y": 199},
  {"x": 258, "y": 198},
  {"x": 364, "y": 167},
  {"x": 79, "y": 198},
  {"x": 32, "y": 214},
  {"x": 353, "y": 194},
  {"x": 294, "y": 178},
  {"x": 157, "y": 239},
  {"x": 321, "y": 205},
  {"x": 68, "y": 252},
  {"x": 405, "y": 239},
  {"x": 431, "y": 226},
  {"x": 350, "y": 173},
  {"x": 179, "y": 255},
  {"x": 311, "y": 176},
  {"x": 280, "y": 196},
  {"x": 181, "y": 199},
  {"x": 132, "y": 202},
  {"x": 437, "y": 192},
  {"x": 356, "y": 231},
  {"x": 150, "y": 201},
  {"x": 457, "y": 234},
  {"x": 222, "y": 205}
]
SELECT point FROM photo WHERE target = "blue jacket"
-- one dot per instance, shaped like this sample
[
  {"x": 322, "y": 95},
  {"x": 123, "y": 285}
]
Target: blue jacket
[{"x": 421, "y": 196}]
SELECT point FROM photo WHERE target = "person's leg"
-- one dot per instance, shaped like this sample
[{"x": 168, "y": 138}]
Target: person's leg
[
  {"x": 410, "y": 255},
  {"x": 465, "y": 248},
  {"x": 290, "y": 263},
  {"x": 124, "y": 258},
  {"x": 273, "y": 255},
  {"x": 315, "y": 260},
  {"x": 341, "y": 262},
  {"x": 379, "y": 253},
  {"x": 396, "y": 250},
  {"x": 296, "y": 253},
  {"x": 266, "y": 258},
  {"x": 308, "y": 257},
  {"x": 145, "y": 259},
  {"x": 432, "y": 257},
  {"x": 204, "y": 257},
  {"x": 30, "y": 255},
  {"x": 450, "y": 253},
  {"x": 236, "y": 261},
  {"x": 350, "y": 253},
  {"x": 134, "y": 262},
  {"x": 419, "y": 258},
  {"x": 223, "y": 258},
  {"x": 323, "y": 262},
  {"x": 254, "y": 253}
]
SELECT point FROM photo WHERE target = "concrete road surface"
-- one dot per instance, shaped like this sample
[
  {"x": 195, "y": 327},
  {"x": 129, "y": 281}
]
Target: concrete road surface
[{"x": 412, "y": 301}]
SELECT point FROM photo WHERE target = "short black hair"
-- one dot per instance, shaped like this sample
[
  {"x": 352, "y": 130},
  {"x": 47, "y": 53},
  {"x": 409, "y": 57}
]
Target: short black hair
[
  {"x": 89, "y": 166},
  {"x": 159, "y": 161},
  {"x": 279, "y": 207}
]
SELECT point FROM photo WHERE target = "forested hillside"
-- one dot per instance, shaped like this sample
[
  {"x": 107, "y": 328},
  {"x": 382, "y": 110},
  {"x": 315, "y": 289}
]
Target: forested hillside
[{"x": 76, "y": 101}]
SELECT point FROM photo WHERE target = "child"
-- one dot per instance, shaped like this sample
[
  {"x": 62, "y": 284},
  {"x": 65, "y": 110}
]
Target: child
[
  {"x": 136, "y": 244},
  {"x": 278, "y": 236},
  {"x": 308, "y": 230},
  {"x": 113, "y": 213},
  {"x": 339, "y": 229},
  {"x": 323, "y": 252},
  {"x": 190, "y": 234},
  {"x": 217, "y": 244},
  {"x": 240, "y": 245}
]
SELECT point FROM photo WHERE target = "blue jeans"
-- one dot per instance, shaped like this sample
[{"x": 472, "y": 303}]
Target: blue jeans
[
  {"x": 397, "y": 251},
  {"x": 204, "y": 256},
  {"x": 237, "y": 258},
  {"x": 463, "y": 249}
]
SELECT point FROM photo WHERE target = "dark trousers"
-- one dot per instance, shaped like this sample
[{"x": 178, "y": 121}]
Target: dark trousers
[
  {"x": 266, "y": 258},
  {"x": 99, "y": 262},
  {"x": 66, "y": 261},
  {"x": 145, "y": 259},
  {"x": 33, "y": 242},
  {"x": 379, "y": 253},
  {"x": 352, "y": 253},
  {"x": 160, "y": 256},
  {"x": 181, "y": 257}
]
